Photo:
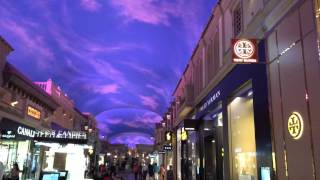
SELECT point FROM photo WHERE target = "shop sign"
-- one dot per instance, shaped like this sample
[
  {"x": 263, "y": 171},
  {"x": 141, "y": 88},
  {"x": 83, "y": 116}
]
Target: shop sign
[
  {"x": 244, "y": 51},
  {"x": 33, "y": 112},
  {"x": 7, "y": 134},
  {"x": 210, "y": 100},
  {"x": 184, "y": 135},
  {"x": 52, "y": 134},
  {"x": 168, "y": 136},
  {"x": 161, "y": 152},
  {"x": 295, "y": 125},
  {"x": 61, "y": 134},
  {"x": 167, "y": 147},
  {"x": 26, "y": 132}
]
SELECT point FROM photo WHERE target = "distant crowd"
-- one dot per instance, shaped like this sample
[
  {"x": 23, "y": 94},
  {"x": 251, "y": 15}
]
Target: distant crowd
[{"x": 141, "y": 171}]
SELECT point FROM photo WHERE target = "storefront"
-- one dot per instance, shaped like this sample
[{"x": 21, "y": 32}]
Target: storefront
[
  {"x": 43, "y": 153},
  {"x": 234, "y": 129},
  {"x": 187, "y": 151},
  {"x": 17, "y": 146}
]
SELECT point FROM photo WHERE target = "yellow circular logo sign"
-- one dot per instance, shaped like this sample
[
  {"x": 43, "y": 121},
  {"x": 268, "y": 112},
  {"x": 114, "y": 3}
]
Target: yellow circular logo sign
[{"x": 295, "y": 125}]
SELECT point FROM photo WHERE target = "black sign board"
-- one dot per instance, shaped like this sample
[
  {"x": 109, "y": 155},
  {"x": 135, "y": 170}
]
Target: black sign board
[
  {"x": 8, "y": 134},
  {"x": 14, "y": 130},
  {"x": 167, "y": 147}
]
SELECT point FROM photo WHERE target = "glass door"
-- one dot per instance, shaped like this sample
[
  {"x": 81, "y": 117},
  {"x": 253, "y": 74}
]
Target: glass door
[{"x": 242, "y": 139}]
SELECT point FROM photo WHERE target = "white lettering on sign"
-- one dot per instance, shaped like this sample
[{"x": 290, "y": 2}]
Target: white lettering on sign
[
  {"x": 8, "y": 135},
  {"x": 210, "y": 100},
  {"x": 26, "y": 132},
  {"x": 244, "y": 51},
  {"x": 60, "y": 134},
  {"x": 51, "y": 134}
]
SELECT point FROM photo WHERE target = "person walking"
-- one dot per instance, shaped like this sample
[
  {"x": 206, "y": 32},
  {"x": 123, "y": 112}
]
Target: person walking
[
  {"x": 156, "y": 170},
  {"x": 162, "y": 172},
  {"x": 150, "y": 172},
  {"x": 135, "y": 171},
  {"x": 144, "y": 171},
  {"x": 170, "y": 173}
]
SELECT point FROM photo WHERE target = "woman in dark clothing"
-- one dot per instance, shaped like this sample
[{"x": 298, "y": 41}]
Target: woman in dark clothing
[
  {"x": 170, "y": 173},
  {"x": 151, "y": 170}
]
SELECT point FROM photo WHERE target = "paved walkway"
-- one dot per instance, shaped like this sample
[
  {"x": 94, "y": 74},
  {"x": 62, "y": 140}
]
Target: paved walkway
[{"x": 126, "y": 175}]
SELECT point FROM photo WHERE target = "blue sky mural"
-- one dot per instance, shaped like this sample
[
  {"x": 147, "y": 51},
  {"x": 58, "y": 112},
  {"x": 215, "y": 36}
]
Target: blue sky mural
[{"x": 118, "y": 59}]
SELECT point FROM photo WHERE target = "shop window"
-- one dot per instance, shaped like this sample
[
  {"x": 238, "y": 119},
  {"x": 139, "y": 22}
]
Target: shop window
[
  {"x": 237, "y": 20},
  {"x": 242, "y": 136}
]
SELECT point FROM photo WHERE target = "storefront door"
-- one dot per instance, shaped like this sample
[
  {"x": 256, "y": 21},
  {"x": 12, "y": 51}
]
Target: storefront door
[{"x": 210, "y": 157}]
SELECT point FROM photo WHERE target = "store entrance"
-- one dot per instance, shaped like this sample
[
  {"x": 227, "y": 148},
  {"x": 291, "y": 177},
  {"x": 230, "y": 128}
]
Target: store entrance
[
  {"x": 210, "y": 157},
  {"x": 212, "y": 134},
  {"x": 213, "y": 154}
]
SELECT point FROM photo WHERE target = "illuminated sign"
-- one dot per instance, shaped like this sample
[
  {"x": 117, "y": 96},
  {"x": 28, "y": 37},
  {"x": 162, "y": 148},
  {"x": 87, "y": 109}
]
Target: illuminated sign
[
  {"x": 60, "y": 134},
  {"x": 7, "y": 134},
  {"x": 167, "y": 147},
  {"x": 33, "y": 112},
  {"x": 184, "y": 135},
  {"x": 168, "y": 136},
  {"x": 52, "y": 134},
  {"x": 244, "y": 51},
  {"x": 295, "y": 125},
  {"x": 210, "y": 100},
  {"x": 26, "y": 132},
  {"x": 161, "y": 152}
]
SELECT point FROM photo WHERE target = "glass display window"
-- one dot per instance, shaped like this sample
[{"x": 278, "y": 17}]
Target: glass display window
[{"x": 242, "y": 139}]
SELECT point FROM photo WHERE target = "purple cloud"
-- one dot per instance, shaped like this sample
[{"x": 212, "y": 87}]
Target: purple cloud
[
  {"x": 104, "y": 128},
  {"x": 162, "y": 92},
  {"x": 107, "y": 89},
  {"x": 90, "y": 5},
  {"x": 149, "y": 101},
  {"x": 141, "y": 69},
  {"x": 131, "y": 139},
  {"x": 146, "y": 120},
  {"x": 151, "y": 12}
]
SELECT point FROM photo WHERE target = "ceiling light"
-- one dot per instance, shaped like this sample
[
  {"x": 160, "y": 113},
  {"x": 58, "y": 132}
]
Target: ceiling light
[{"x": 14, "y": 103}]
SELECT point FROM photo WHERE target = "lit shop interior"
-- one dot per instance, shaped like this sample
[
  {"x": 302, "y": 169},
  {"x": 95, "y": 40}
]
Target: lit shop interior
[
  {"x": 59, "y": 160},
  {"x": 13, "y": 151}
]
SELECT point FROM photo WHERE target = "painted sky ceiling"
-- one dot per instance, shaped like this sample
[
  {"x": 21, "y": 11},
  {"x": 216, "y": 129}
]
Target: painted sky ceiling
[{"x": 119, "y": 59}]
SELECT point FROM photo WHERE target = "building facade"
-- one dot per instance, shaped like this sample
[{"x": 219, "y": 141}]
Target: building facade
[
  {"x": 251, "y": 121},
  {"x": 39, "y": 130}
]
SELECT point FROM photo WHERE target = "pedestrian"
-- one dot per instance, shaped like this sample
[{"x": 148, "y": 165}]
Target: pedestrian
[
  {"x": 14, "y": 173},
  {"x": 144, "y": 171},
  {"x": 170, "y": 173},
  {"x": 135, "y": 171},
  {"x": 156, "y": 171},
  {"x": 151, "y": 171},
  {"x": 1, "y": 170},
  {"x": 113, "y": 170},
  {"x": 162, "y": 172}
]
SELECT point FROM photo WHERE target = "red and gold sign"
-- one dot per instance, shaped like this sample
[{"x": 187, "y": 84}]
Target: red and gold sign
[
  {"x": 244, "y": 51},
  {"x": 33, "y": 112}
]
